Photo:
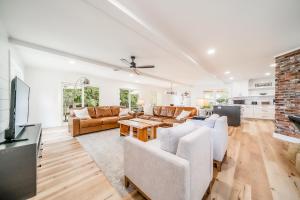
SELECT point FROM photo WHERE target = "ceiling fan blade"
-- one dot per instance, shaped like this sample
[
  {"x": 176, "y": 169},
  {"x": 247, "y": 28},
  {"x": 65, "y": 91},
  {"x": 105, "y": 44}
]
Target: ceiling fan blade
[
  {"x": 136, "y": 71},
  {"x": 125, "y": 61},
  {"x": 146, "y": 66}
]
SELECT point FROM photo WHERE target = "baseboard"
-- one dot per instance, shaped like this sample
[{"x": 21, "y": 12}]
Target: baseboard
[{"x": 286, "y": 138}]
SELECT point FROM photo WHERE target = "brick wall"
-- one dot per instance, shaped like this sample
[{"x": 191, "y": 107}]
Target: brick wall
[{"x": 287, "y": 92}]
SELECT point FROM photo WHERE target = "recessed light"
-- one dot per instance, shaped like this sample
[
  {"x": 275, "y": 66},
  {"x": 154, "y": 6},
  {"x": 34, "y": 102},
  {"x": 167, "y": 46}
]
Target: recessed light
[
  {"x": 137, "y": 81},
  {"x": 273, "y": 65},
  {"x": 267, "y": 73},
  {"x": 131, "y": 74},
  {"x": 231, "y": 78},
  {"x": 227, "y": 72},
  {"x": 72, "y": 62},
  {"x": 211, "y": 51}
]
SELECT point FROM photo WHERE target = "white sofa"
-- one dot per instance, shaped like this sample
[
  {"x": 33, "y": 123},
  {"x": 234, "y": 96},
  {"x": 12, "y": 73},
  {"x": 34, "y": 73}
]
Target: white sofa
[
  {"x": 219, "y": 128},
  {"x": 161, "y": 175}
]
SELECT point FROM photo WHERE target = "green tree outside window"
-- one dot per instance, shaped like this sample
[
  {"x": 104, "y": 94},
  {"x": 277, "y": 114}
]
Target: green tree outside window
[{"x": 91, "y": 96}]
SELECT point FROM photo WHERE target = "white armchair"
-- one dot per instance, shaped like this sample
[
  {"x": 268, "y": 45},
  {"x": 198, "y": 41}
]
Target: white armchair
[
  {"x": 220, "y": 138},
  {"x": 159, "y": 174}
]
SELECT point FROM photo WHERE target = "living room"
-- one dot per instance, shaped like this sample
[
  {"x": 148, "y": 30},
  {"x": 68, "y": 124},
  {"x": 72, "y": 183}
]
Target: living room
[{"x": 107, "y": 99}]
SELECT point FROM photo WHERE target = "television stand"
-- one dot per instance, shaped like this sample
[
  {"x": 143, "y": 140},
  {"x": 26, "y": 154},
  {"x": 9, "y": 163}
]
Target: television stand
[
  {"x": 8, "y": 141},
  {"x": 19, "y": 160},
  {"x": 13, "y": 140}
]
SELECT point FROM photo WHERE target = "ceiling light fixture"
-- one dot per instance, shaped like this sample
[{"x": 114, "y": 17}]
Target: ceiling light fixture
[
  {"x": 267, "y": 73},
  {"x": 72, "y": 62},
  {"x": 131, "y": 75},
  {"x": 231, "y": 78},
  {"x": 137, "y": 81},
  {"x": 227, "y": 72},
  {"x": 273, "y": 65},
  {"x": 211, "y": 51}
]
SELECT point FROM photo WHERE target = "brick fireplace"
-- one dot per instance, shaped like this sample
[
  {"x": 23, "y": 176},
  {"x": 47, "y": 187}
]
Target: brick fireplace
[{"x": 287, "y": 93}]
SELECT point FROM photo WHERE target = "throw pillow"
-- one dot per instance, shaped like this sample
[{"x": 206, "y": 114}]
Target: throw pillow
[
  {"x": 169, "y": 137},
  {"x": 123, "y": 111},
  {"x": 82, "y": 114},
  {"x": 184, "y": 114}
]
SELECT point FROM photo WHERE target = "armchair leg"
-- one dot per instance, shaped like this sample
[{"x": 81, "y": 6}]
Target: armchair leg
[
  {"x": 218, "y": 164},
  {"x": 126, "y": 180}
]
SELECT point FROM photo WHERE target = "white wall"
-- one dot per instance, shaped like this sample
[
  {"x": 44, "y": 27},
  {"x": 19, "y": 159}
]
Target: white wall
[
  {"x": 10, "y": 66},
  {"x": 238, "y": 88},
  {"x": 198, "y": 90},
  {"x": 4, "y": 79},
  {"x": 46, "y": 93}
]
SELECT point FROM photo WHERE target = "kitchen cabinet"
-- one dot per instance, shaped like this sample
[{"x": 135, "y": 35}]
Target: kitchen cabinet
[{"x": 258, "y": 111}]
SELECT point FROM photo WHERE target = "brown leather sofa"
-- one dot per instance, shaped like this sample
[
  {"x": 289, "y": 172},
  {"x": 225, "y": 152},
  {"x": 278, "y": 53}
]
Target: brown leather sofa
[
  {"x": 168, "y": 114},
  {"x": 102, "y": 118}
]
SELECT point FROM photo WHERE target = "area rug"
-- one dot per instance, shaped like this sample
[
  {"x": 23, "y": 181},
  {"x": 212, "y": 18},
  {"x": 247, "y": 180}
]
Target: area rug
[{"x": 106, "y": 148}]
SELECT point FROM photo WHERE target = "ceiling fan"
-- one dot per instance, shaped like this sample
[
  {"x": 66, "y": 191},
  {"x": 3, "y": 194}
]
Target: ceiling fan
[{"x": 133, "y": 65}]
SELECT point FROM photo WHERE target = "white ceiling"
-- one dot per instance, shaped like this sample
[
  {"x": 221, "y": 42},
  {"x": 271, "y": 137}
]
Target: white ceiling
[
  {"x": 174, "y": 35},
  {"x": 45, "y": 60}
]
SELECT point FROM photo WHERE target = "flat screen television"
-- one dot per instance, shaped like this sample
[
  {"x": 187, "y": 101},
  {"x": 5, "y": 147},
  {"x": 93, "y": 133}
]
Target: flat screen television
[{"x": 19, "y": 109}]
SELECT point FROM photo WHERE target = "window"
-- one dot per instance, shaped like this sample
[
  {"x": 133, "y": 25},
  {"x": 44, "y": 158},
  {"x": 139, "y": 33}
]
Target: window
[
  {"x": 129, "y": 99},
  {"x": 91, "y": 96},
  {"x": 124, "y": 98},
  {"x": 74, "y": 98},
  {"x": 216, "y": 96}
]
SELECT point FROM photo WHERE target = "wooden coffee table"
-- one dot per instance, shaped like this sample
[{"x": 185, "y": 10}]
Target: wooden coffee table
[{"x": 141, "y": 126}]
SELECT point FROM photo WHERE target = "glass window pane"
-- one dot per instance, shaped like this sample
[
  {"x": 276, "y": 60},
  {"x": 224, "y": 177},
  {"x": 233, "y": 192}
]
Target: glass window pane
[
  {"x": 124, "y": 98},
  {"x": 70, "y": 97},
  {"x": 91, "y": 96},
  {"x": 134, "y": 99}
]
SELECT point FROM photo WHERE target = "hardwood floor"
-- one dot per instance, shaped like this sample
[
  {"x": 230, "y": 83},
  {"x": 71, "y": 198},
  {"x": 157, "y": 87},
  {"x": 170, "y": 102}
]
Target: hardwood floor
[
  {"x": 257, "y": 167},
  {"x": 67, "y": 171}
]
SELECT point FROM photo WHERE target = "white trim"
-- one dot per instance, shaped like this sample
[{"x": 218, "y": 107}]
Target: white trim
[
  {"x": 286, "y": 52},
  {"x": 286, "y": 138}
]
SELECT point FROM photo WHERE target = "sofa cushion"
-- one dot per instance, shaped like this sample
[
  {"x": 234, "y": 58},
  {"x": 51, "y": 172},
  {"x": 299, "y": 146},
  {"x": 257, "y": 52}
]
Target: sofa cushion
[
  {"x": 92, "y": 112},
  {"x": 178, "y": 111},
  {"x": 145, "y": 116},
  {"x": 125, "y": 117},
  {"x": 109, "y": 120},
  {"x": 85, "y": 123},
  {"x": 158, "y": 119},
  {"x": 169, "y": 137},
  {"x": 170, "y": 111},
  {"x": 115, "y": 110},
  {"x": 163, "y": 111},
  {"x": 171, "y": 121},
  {"x": 156, "y": 110},
  {"x": 103, "y": 111},
  {"x": 210, "y": 121}
]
